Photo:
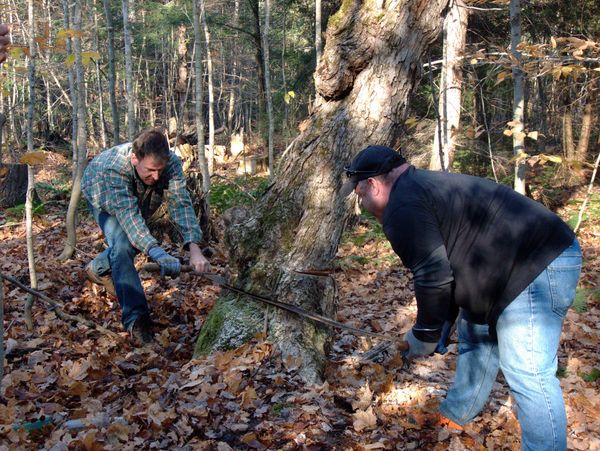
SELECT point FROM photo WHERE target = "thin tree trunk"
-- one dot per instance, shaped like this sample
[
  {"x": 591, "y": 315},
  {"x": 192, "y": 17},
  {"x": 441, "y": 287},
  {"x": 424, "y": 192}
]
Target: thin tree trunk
[
  {"x": 587, "y": 121},
  {"x": 318, "y": 32},
  {"x": 454, "y": 34},
  {"x": 102, "y": 124},
  {"x": 81, "y": 155},
  {"x": 199, "y": 85},
  {"x": 211, "y": 95},
  {"x": 72, "y": 90},
  {"x": 363, "y": 82},
  {"x": 518, "y": 96},
  {"x": 234, "y": 70},
  {"x": 265, "y": 43},
  {"x": 567, "y": 123},
  {"x": 30, "y": 176},
  {"x": 111, "y": 72},
  {"x": 131, "y": 119}
]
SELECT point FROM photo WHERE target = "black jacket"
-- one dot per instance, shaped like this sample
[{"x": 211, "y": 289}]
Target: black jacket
[{"x": 469, "y": 242}]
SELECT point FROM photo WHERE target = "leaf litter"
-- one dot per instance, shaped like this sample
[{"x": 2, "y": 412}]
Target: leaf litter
[{"x": 68, "y": 387}]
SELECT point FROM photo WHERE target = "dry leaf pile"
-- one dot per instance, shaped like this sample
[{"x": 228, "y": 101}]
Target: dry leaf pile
[{"x": 67, "y": 387}]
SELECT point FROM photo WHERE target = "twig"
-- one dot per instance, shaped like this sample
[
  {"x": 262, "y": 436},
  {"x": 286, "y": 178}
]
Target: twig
[
  {"x": 59, "y": 306},
  {"x": 588, "y": 194}
]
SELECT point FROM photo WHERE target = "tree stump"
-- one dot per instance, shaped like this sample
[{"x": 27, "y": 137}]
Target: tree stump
[
  {"x": 160, "y": 222},
  {"x": 13, "y": 184}
]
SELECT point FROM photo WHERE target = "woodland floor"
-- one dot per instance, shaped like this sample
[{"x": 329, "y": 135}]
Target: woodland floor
[{"x": 66, "y": 386}]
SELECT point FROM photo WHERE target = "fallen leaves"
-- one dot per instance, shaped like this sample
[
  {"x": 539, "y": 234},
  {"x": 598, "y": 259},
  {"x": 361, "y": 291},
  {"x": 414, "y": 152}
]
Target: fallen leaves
[{"x": 73, "y": 388}]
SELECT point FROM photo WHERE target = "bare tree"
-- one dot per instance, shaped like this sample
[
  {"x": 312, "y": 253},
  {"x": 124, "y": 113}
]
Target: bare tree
[
  {"x": 267, "y": 73},
  {"x": 449, "y": 109},
  {"x": 518, "y": 96},
  {"x": 80, "y": 157},
  {"x": 199, "y": 83},
  {"x": 111, "y": 71},
  {"x": 131, "y": 119}
]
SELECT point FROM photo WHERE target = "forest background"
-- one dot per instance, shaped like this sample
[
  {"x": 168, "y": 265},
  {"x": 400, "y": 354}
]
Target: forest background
[{"x": 239, "y": 85}]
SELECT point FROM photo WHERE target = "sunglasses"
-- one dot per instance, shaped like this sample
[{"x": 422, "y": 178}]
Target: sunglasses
[{"x": 352, "y": 173}]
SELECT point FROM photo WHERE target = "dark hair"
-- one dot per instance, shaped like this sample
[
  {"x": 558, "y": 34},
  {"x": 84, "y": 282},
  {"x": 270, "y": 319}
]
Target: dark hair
[{"x": 151, "y": 141}]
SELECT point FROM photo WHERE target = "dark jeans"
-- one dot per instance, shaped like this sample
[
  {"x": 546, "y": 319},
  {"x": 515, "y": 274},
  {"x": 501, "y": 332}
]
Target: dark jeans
[{"x": 118, "y": 257}]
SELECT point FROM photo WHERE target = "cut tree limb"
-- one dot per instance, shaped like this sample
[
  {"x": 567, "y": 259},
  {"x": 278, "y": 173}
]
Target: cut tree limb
[{"x": 58, "y": 308}]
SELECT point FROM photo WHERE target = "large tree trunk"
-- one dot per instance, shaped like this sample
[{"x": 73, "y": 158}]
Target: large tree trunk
[{"x": 369, "y": 67}]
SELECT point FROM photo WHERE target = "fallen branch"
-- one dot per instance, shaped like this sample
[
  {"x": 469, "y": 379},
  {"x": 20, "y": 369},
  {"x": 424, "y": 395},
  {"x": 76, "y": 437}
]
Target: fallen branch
[{"x": 58, "y": 308}]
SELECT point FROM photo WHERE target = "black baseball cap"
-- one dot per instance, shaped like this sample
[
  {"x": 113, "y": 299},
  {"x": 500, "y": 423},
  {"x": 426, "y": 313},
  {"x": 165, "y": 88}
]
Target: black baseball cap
[{"x": 370, "y": 162}]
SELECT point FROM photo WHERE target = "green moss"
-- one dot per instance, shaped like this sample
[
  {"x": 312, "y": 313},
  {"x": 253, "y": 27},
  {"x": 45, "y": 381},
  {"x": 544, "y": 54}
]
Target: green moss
[
  {"x": 592, "y": 376},
  {"x": 231, "y": 322},
  {"x": 210, "y": 331},
  {"x": 336, "y": 19}
]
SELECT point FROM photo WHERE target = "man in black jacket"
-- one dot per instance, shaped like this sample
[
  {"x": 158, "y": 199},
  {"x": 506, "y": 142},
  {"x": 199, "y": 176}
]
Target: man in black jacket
[{"x": 506, "y": 263}]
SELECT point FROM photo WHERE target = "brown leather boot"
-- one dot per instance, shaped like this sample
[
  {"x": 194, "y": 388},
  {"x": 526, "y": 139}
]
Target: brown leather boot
[{"x": 105, "y": 281}]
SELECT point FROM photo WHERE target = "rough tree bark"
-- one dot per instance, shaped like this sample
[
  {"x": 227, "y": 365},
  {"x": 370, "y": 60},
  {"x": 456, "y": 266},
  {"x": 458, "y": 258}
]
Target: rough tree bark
[{"x": 369, "y": 67}]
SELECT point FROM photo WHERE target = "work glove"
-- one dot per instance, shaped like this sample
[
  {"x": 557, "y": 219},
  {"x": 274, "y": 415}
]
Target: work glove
[
  {"x": 417, "y": 347},
  {"x": 169, "y": 265}
]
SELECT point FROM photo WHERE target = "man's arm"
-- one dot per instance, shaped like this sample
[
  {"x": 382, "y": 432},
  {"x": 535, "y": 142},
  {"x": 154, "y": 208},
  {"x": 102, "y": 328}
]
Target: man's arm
[
  {"x": 182, "y": 212},
  {"x": 415, "y": 236}
]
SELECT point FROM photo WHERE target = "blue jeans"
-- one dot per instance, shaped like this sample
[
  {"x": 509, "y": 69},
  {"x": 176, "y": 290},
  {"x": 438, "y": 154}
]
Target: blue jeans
[
  {"x": 525, "y": 349},
  {"x": 118, "y": 257}
]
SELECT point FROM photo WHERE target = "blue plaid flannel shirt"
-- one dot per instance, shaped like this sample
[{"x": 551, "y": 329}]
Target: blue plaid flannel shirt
[{"x": 110, "y": 183}]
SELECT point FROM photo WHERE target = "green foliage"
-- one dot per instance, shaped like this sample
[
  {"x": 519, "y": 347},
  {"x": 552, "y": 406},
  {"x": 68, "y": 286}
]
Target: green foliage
[
  {"x": 561, "y": 372},
  {"x": 18, "y": 211},
  {"x": 244, "y": 191},
  {"x": 592, "y": 376},
  {"x": 279, "y": 407},
  {"x": 580, "y": 303},
  {"x": 591, "y": 213}
]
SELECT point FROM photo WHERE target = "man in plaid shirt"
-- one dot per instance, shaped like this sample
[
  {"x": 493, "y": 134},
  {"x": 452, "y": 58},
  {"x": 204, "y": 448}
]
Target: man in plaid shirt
[{"x": 124, "y": 186}]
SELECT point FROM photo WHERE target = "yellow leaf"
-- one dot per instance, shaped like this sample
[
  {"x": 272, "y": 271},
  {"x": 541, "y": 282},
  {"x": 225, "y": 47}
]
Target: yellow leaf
[
  {"x": 553, "y": 42},
  {"x": 70, "y": 60},
  {"x": 33, "y": 158},
  {"x": 519, "y": 135},
  {"x": 554, "y": 158},
  {"x": 86, "y": 57},
  {"x": 533, "y": 135},
  {"x": 473, "y": 61},
  {"x": 508, "y": 132},
  {"x": 513, "y": 123},
  {"x": 597, "y": 69},
  {"x": 411, "y": 122},
  {"x": 292, "y": 94},
  {"x": 68, "y": 33},
  {"x": 521, "y": 157},
  {"x": 503, "y": 76}
]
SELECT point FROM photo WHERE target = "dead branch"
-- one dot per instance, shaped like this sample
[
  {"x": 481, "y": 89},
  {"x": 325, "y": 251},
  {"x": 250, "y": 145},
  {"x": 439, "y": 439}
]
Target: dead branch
[{"x": 58, "y": 307}]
